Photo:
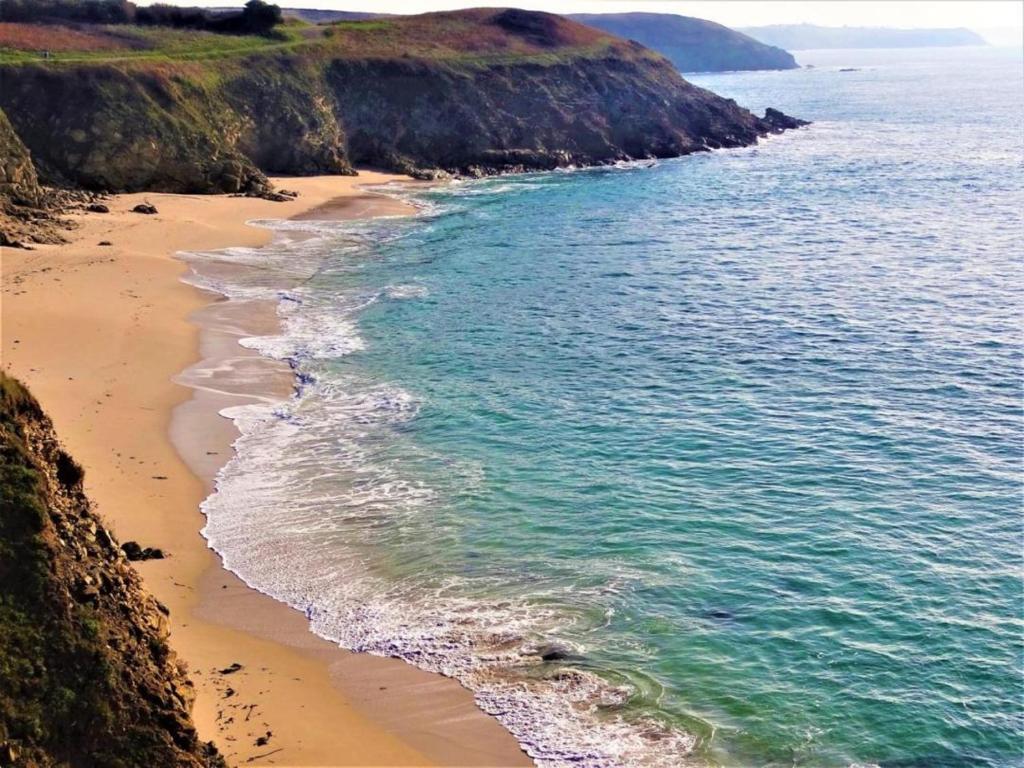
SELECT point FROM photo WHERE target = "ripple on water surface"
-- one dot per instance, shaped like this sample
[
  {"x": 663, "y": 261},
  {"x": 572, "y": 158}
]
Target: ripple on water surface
[{"x": 714, "y": 461}]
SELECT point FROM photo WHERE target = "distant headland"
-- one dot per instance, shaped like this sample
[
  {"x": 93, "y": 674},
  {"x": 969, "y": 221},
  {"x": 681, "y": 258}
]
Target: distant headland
[{"x": 802, "y": 37}]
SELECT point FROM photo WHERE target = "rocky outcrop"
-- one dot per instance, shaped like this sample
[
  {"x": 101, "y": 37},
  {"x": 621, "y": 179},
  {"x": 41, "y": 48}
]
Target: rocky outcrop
[
  {"x": 419, "y": 115},
  {"x": 18, "y": 180},
  {"x": 780, "y": 121},
  {"x": 27, "y": 209},
  {"x": 471, "y": 92},
  {"x": 289, "y": 122},
  {"x": 87, "y": 677},
  {"x": 125, "y": 129}
]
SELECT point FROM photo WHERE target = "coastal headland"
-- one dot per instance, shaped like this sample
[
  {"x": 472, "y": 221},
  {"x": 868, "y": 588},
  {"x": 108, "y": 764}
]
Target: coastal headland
[{"x": 153, "y": 140}]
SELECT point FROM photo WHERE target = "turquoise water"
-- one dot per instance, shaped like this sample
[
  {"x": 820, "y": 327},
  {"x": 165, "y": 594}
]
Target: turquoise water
[{"x": 735, "y": 440}]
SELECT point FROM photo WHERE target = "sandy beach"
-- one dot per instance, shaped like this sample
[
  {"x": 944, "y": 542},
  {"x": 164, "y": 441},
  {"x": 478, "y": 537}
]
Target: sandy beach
[{"x": 110, "y": 339}]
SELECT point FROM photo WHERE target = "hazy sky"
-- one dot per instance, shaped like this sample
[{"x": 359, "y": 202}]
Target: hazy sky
[
  {"x": 891, "y": 13},
  {"x": 1005, "y": 16}
]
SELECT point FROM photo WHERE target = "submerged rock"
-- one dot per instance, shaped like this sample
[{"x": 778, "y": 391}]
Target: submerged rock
[{"x": 557, "y": 652}]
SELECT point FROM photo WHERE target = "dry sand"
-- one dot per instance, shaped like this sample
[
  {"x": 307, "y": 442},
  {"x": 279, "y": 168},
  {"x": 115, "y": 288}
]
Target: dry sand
[{"x": 99, "y": 334}]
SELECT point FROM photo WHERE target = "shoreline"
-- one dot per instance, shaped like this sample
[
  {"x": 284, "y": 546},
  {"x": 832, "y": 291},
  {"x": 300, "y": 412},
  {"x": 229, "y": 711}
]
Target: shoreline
[{"x": 111, "y": 340}]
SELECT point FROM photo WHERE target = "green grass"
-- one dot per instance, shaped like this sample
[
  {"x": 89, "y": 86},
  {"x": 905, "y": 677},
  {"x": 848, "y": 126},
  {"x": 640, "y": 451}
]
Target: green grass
[
  {"x": 469, "y": 38},
  {"x": 164, "y": 44},
  {"x": 365, "y": 25}
]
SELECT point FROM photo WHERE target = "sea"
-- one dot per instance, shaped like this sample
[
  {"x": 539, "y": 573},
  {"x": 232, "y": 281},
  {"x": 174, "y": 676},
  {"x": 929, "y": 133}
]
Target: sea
[{"x": 712, "y": 461}]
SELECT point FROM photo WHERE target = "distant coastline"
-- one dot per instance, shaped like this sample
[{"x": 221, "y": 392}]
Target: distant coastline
[{"x": 802, "y": 37}]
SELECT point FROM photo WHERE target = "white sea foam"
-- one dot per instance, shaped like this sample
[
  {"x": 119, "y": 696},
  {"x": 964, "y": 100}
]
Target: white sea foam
[
  {"x": 406, "y": 291},
  {"x": 309, "y": 490}
]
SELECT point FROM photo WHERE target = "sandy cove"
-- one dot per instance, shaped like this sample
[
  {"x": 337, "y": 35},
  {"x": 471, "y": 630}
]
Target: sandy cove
[{"x": 99, "y": 333}]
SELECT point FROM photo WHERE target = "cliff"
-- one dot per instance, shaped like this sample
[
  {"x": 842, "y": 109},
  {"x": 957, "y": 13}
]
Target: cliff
[
  {"x": 802, "y": 37},
  {"x": 693, "y": 45},
  {"x": 18, "y": 180},
  {"x": 27, "y": 208},
  {"x": 86, "y": 674},
  {"x": 469, "y": 92}
]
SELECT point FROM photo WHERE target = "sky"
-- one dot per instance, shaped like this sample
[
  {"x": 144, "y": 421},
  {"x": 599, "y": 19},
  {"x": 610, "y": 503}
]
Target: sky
[{"x": 993, "y": 18}]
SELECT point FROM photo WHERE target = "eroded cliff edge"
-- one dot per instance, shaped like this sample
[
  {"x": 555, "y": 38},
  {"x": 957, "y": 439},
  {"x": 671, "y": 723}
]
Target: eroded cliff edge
[
  {"x": 470, "y": 92},
  {"x": 86, "y": 674}
]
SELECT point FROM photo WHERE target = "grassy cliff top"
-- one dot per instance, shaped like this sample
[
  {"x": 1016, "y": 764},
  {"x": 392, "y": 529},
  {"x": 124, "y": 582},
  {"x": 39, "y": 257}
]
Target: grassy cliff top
[{"x": 483, "y": 35}]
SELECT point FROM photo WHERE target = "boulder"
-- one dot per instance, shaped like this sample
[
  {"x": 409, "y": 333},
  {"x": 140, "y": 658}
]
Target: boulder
[
  {"x": 134, "y": 552},
  {"x": 778, "y": 121}
]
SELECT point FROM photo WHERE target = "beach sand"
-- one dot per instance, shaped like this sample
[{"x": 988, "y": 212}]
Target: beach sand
[{"x": 108, "y": 338}]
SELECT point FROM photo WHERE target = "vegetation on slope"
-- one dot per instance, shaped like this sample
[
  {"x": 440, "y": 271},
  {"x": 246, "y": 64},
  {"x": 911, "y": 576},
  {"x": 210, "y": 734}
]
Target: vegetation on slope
[
  {"x": 256, "y": 17},
  {"x": 468, "y": 92},
  {"x": 475, "y": 35},
  {"x": 86, "y": 675}
]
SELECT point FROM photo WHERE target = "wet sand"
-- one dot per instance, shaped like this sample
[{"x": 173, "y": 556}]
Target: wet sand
[{"x": 107, "y": 337}]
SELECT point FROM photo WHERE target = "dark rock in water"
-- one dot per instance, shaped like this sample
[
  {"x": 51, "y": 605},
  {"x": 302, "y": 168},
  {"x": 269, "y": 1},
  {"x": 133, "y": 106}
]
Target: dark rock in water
[
  {"x": 850, "y": 69},
  {"x": 719, "y": 614},
  {"x": 779, "y": 121},
  {"x": 134, "y": 552},
  {"x": 556, "y": 652},
  {"x": 429, "y": 174},
  {"x": 144, "y": 208},
  {"x": 97, "y": 208}
]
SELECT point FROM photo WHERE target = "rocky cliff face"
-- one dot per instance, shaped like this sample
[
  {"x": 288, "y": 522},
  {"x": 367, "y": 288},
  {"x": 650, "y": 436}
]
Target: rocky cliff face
[
  {"x": 18, "y": 180},
  {"x": 26, "y": 207},
  {"x": 416, "y": 115},
  {"x": 86, "y": 675},
  {"x": 470, "y": 92},
  {"x": 126, "y": 129}
]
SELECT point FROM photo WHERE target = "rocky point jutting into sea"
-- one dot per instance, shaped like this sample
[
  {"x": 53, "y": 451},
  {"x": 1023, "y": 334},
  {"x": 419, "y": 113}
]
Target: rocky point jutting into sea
[
  {"x": 91, "y": 107},
  {"x": 472, "y": 93}
]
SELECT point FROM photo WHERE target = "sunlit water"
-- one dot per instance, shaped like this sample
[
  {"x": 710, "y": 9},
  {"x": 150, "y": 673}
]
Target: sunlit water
[{"x": 735, "y": 441}]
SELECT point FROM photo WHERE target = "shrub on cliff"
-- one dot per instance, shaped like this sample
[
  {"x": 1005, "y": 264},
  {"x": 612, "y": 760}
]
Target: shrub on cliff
[
  {"x": 257, "y": 17},
  {"x": 86, "y": 677}
]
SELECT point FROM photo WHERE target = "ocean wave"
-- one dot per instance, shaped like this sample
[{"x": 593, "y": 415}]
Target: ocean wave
[
  {"x": 562, "y": 715},
  {"x": 406, "y": 291},
  {"x": 311, "y": 488}
]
